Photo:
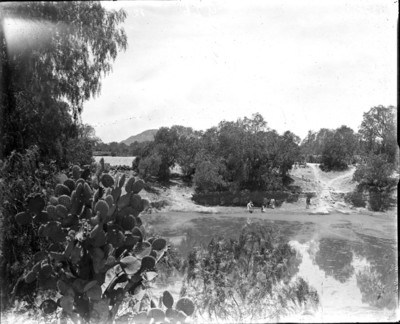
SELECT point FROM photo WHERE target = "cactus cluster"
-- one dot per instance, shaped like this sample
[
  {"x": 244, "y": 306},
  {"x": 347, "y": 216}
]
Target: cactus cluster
[
  {"x": 92, "y": 225},
  {"x": 165, "y": 313}
]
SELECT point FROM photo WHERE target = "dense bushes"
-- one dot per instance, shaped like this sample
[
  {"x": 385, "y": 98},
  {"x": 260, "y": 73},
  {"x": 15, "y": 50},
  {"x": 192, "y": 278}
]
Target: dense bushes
[
  {"x": 207, "y": 177},
  {"x": 21, "y": 176},
  {"x": 355, "y": 198},
  {"x": 376, "y": 178},
  {"x": 149, "y": 166},
  {"x": 244, "y": 154}
]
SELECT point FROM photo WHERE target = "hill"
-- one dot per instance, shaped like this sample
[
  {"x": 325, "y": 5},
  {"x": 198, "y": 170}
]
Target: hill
[{"x": 147, "y": 135}]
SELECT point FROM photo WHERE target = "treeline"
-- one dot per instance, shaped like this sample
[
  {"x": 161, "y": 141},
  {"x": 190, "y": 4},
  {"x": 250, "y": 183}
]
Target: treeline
[
  {"x": 244, "y": 154},
  {"x": 121, "y": 149},
  {"x": 336, "y": 149}
]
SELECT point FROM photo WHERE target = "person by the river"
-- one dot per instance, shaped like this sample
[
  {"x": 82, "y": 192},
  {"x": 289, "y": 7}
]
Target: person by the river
[
  {"x": 272, "y": 203},
  {"x": 308, "y": 202},
  {"x": 250, "y": 207},
  {"x": 266, "y": 203}
]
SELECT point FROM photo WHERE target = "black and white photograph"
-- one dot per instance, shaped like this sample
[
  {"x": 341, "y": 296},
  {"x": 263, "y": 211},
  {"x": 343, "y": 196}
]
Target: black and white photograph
[{"x": 199, "y": 161}]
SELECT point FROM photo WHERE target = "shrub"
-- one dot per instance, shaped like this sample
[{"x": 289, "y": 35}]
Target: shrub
[
  {"x": 95, "y": 251},
  {"x": 375, "y": 176},
  {"x": 355, "y": 198},
  {"x": 149, "y": 166},
  {"x": 248, "y": 279},
  {"x": 207, "y": 177}
]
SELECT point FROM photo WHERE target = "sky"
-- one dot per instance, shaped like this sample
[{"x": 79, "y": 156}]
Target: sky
[{"x": 304, "y": 65}]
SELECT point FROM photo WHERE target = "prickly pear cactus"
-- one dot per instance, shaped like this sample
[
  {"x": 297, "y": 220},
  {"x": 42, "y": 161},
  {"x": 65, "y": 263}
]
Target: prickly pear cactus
[{"x": 93, "y": 229}]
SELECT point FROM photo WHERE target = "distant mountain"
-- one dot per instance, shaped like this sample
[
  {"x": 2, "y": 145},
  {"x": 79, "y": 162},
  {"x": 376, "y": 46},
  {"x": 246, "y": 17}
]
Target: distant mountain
[{"x": 147, "y": 135}]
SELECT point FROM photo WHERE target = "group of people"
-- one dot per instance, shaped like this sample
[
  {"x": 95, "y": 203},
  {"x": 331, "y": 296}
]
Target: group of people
[
  {"x": 266, "y": 204},
  {"x": 270, "y": 203}
]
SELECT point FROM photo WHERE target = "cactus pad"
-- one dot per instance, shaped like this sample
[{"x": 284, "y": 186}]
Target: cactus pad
[
  {"x": 65, "y": 200},
  {"x": 185, "y": 305},
  {"x": 102, "y": 208},
  {"x": 128, "y": 222},
  {"x": 53, "y": 200},
  {"x": 61, "y": 211},
  {"x": 130, "y": 264},
  {"x": 157, "y": 314},
  {"x": 148, "y": 263},
  {"x": 167, "y": 299},
  {"x": 107, "y": 180},
  {"x": 129, "y": 184},
  {"x": 159, "y": 244},
  {"x": 137, "y": 186},
  {"x": 124, "y": 201},
  {"x": 136, "y": 202},
  {"x": 110, "y": 200},
  {"x": 62, "y": 190},
  {"x": 48, "y": 306},
  {"x": 121, "y": 181},
  {"x": 70, "y": 184}
]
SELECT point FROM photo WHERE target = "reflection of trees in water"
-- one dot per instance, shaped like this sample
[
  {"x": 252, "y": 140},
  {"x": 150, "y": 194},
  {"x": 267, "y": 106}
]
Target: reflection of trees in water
[
  {"x": 247, "y": 278},
  {"x": 335, "y": 258},
  {"x": 376, "y": 291},
  {"x": 378, "y": 283}
]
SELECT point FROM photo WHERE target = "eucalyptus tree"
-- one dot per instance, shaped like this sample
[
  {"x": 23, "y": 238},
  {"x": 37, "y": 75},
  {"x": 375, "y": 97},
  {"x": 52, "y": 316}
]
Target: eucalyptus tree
[{"x": 53, "y": 57}]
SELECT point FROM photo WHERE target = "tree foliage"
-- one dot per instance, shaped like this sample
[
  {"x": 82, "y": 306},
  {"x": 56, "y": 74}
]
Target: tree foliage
[
  {"x": 48, "y": 80},
  {"x": 375, "y": 176},
  {"x": 379, "y": 132},
  {"x": 339, "y": 149},
  {"x": 234, "y": 155}
]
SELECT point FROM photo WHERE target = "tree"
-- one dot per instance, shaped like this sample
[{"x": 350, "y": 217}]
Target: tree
[
  {"x": 376, "y": 177},
  {"x": 314, "y": 143},
  {"x": 149, "y": 166},
  {"x": 208, "y": 177},
  {"x": 378, "y": 131},
  {"x": 79, "y": 148},
  {"x": 77, "y": 42},
  {"x": 339, "y": 149},
  {"x": 290, "y": 151}
]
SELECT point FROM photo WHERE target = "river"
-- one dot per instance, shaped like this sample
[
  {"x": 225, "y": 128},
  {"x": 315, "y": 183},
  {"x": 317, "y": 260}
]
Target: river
[
  {"x": 352, "y": 267},
  {"x": 350, "y": 259},
  {"x": 116, "y": 160}
]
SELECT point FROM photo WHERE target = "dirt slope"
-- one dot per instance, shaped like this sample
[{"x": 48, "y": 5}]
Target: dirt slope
[{"x": 329, "y": 187}]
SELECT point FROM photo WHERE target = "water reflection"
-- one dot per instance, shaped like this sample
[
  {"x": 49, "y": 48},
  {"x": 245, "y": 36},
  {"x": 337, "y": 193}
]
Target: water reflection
[
  {"x": 376, "y": 276},
  {"x": 356, "y": 280},
  {"x": 335, "y": 257}
]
